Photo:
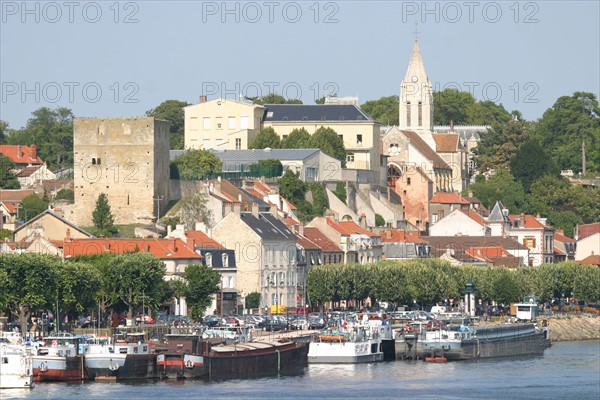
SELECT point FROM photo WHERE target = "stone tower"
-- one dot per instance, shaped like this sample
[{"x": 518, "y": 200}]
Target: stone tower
[
  {"x": 416, "y": 99},
  {"x": 126, "y": 158}
]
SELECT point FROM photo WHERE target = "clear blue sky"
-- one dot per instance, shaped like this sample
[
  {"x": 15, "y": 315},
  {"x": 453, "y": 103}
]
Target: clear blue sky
[{"x": 107, "y": 60}]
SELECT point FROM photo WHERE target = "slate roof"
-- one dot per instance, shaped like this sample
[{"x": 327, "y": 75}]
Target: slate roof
[
  {"x": 232, "y": 159},
  {"x": 424, "y": 149},
  {"x": 314, "y": 113},
  {"x": 496, "y": 214},
  {"x": 267, "y": 226}
]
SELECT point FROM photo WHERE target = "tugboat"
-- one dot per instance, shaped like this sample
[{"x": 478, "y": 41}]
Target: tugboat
[{"x": 128, "y": 358}]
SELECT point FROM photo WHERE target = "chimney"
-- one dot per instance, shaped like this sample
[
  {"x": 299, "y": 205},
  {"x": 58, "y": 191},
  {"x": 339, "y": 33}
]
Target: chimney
[
  {"x": 388, "y": 234},
  {"x": 237, "y": 208},
  {"x": 522, "y": 220},
  {"x": 33, "y": 151},
  {"x": 363, "y": 221},
  {"x": 203, "y": 99},
  {"x": 19, "y": 151},
  {"x": 168, "y": 230},
  {"x": 255, "y": 210},
  {"x": 470, "y": 193},
  {"x": 273, "y": 210},
  {"x": 451, "y": 125},
  {"x": 68, "y": 235}
]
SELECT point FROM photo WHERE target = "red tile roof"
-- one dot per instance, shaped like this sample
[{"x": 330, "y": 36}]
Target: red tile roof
[
  {"x": 562, "y": 238},
  {"x": 307, "y": 243},
  {"x": 354, "y": 229},
  {"x": 559, "y": 251},
  {"x": 400, "y": 236},
  {"x": 446, "y": 142},
  {"x": 20, "y": 154},
  {"x": 586, "y": 230},
  {"x": 475, "y": 216},
  {"x": 448, "y": 198},
  {"x": 11, "y": 207},
  {"x": 318, "y": 238},
  {"x": 487, "y": 252},
  {"x": 290, "y": 205},
  {"x": 201, "y": 239},
  {"x": 14, "y": 194},
  {"x": 594, "y": 259},
  {"x": 530, "y": 221},
  {"x": 160, "y": 248}
]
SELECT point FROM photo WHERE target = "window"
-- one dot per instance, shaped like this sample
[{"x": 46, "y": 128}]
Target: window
[
  {"x": 219, "y": 142},
  {"x": 96, "y": 161},
  {"x": 219, "y": 122},
  {"x": 206, "y": 122},
  {"x": 310, "y": 173},
  {"x": 529, "y": 242},
  {"x": 231, "y": 122},
  {"x": 206, "y": 143},
  {"x": 420, "y": 114},
  {"x": 408, "y": 113},
  {"x": 225, "y": 259},
  {"x": 359, "y": 140},
  {"x": 408, "y": 181},
  {"x": 238, "y": 144},
  {"x": 350, "y": 157},
  {"x": 244, "y": 122},
  {"x": 208, "y": 258}
]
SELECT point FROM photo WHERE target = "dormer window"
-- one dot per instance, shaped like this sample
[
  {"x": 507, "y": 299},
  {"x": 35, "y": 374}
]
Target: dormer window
[{"x": 208, "y": 258}]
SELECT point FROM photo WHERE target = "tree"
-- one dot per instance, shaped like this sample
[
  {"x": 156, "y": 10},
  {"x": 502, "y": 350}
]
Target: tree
[
  {"x": 501, "y": 186},
  {"x": 136, "y": 279},
  {"x": 77, "y": 284},
  {"x": 266, "y": 138},
  {"x": 297, "y": 139},
  {"x": 193, "y": 209},
  {"x": 273, "y": 98},
  {"x": 379, "y": 220},
  {"x": 329, "y": 142},
  {"x": 291, "y": 187},
  {"x": 384, "y": 110},
  {"x": 195, "y": 164},
  {"x": 499, "y": 144},
  {"x": 28, "y": 282},
  {"x": 3, "y": 130},
  {"x": 105, "y": 294},
  {"x": 8, "y": 179},
  {"x": 253, "y": 300},
  {"x": 52, "y": 133},
  {"x": 452, "y": 105},
  {"x": 172, "y": 111},
  {"x": 65, "y": 194},
  {"x": 102, "y": 215},
  {"x": 531, "y": 162},
  {"x": 32, "y": 206},
  {"x": 202, "y": 284},
  {"x": 569, "y": 122},
  {"x": 487, "y": 113},
  {"x": 268, "y": 168}
]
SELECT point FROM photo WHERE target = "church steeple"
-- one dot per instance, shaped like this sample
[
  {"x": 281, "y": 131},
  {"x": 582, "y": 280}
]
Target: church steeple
[{"x": 416, "y": 99}]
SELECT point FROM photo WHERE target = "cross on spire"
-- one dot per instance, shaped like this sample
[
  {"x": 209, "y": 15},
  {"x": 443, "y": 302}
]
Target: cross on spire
[{"x": 416, "y": 32}]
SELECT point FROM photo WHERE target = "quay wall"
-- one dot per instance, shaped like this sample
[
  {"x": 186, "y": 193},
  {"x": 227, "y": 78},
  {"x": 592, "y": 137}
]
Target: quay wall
[{"x": 577, "y": 327}]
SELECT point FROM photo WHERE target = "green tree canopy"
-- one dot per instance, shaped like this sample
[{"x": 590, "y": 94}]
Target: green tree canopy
[
  {"x": 273, "y": 98},
  {"x": 77, "y": 285},
  {"x": 501, "y": 186},
  {"x": 487, "y": 113},
  {"x": 102, "y": 215},
  {"x": 253, "y": 300},
  {"x": 330, "y": 142},
  {"x": 28, "y": 282},
  {"x": 291, "y": 187},
  {"x": 172, "y": 111},
  {"x": 569, "y": 122},
  {"x": 52, "y": 133},
  {"x": 384, "y": 110},
  {"x": 266, "y": 138},
  {"x": 8, "y": 179},
  {"x": 452, "y": 105},
  {"x": 195, "y": 164},
  {"x": 531, "y": 162},
  {"x": 202, "y": 284},
  {"x": 32, "y": 207},
  {"x": 297, "y": 139},
  {"x": 499, "y": 144}
]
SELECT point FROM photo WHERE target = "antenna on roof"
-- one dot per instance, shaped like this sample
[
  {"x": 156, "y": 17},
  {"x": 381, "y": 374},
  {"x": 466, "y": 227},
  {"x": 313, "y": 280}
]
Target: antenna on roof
[{"x": 416, "y": 32}]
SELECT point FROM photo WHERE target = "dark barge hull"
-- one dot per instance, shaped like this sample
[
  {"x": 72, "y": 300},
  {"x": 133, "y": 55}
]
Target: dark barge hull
[
  {"x": 180, "y": 366},
  {"x": 137, "y": 366},
  {"x": 72, "y": 372},
  {"x": 267, "y": 359}
]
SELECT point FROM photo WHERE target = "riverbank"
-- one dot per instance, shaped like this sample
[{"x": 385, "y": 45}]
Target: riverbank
[{"x": 576, "y": 327}]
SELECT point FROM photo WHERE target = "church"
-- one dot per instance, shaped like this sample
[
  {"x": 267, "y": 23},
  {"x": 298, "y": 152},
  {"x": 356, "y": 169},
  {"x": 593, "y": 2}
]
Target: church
[{"x": 420, "y": 161}]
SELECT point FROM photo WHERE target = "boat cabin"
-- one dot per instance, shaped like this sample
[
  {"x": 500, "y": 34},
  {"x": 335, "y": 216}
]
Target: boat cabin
[{"x": 526, "y": 311}]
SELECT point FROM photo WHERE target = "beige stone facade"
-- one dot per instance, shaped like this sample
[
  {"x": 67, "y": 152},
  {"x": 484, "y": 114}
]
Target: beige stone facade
[
  {"x": 126, "y": 158},
  {"x": 222, "y": 124}
]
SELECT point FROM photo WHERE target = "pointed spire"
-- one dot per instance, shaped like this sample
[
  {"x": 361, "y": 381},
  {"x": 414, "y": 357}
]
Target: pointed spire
[{"x": 416, "y": 67}]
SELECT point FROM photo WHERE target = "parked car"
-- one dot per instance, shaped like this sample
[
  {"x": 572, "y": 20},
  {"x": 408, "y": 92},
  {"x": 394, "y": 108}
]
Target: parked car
[
  {"x": 316, "y": 323},
  {"x": 275, "y": 325},
  {"x": 211, "y": 320}
]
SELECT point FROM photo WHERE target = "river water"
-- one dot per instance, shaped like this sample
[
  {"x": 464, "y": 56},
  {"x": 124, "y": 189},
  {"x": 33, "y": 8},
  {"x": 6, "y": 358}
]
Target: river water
[{"x": 568, "y": 370}]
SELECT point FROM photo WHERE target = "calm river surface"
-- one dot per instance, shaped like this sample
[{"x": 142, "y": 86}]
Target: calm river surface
[{"x": 569, "y": 370}]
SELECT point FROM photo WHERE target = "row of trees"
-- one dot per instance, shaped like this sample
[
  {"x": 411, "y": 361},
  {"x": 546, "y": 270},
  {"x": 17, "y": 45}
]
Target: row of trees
[
  {"x": 323, "y": 138},
  {"x": 32, "y": 282},
  {"x": 430, "y": 281}
]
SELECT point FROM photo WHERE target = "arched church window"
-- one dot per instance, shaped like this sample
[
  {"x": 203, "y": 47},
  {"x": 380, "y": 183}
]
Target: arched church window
[
  {"x": 408, "y": 113},
  {"x": 420, "y": 114}
]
